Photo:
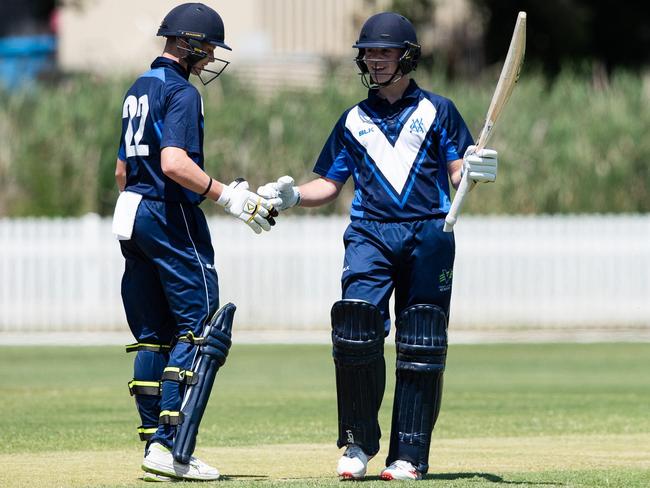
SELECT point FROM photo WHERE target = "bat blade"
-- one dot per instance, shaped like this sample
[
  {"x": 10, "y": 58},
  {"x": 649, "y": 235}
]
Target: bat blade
[
  {"x": 507, "y": 79},
  {"x": 506, "y": 84}
]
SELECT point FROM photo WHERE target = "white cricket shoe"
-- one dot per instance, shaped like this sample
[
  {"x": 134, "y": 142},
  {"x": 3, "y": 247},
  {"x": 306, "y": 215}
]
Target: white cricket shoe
[
  {"x": 159, "y": 460},
  {"x": 353, "y": 464},
  {"x": 400, "y": 470}
]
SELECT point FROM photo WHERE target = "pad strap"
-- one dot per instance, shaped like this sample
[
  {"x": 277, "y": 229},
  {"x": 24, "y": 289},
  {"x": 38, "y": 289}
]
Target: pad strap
[
  {"x": 170, "y": 417},
  {"x": 142, "y": 346},
  {"x": 191, "y": 339},
  {"x": 138, "y": 387},
  {"x": 184, "y": 376},
  {"x": 145, "y": 433}
]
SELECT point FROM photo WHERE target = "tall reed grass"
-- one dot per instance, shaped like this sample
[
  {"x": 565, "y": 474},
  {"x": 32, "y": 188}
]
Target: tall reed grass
[{"x": 565, "y": 147}]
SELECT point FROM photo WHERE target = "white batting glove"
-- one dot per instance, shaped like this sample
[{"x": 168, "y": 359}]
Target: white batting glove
[
  {"x": 282, "y": 193},
  {"x": 481, "y": 165},
  {"x": 256, "y": 211}
]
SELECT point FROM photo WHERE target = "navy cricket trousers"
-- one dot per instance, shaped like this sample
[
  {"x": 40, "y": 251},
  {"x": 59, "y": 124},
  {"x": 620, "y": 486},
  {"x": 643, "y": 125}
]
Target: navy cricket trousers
[
  {"x": 414, "y": 258},
  {"x": 169, "y": 290}
]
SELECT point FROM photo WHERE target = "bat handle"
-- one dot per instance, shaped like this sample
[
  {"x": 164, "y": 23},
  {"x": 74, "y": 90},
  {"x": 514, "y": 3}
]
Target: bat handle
[
  {"x": 449, "y": 225},
  {"x": 457, "y": 203},
  {"x": 465, "y": 185}
]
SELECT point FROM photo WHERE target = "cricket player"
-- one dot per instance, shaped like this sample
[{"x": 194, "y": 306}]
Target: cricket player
[
  {"x": 170, "y": 286},
  {"x": 402, "y": 146}
]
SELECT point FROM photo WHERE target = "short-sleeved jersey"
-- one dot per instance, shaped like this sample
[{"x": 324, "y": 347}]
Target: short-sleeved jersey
[
  {"x": 161, "y": 109},
  {"x": 397, "y": 154}
]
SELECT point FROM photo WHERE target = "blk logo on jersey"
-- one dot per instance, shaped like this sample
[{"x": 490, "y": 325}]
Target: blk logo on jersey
[
  {"x": 366, "y": 131},
  {"x": 416, "y": 126}
]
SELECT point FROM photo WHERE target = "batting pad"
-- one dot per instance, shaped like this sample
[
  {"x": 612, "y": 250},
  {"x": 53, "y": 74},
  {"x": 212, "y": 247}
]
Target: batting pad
[
  {"x": 421, "y": 342},
  {"x": 213, "y": 350},
  {"x": 358, "y": 352}
]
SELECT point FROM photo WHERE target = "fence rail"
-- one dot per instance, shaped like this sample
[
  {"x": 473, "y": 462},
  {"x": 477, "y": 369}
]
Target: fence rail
[{"x": 511, "y": 272}]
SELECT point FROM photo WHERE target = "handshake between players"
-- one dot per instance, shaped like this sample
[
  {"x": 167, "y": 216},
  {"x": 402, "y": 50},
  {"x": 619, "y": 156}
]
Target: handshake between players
[{"x": 257, "y": 212}]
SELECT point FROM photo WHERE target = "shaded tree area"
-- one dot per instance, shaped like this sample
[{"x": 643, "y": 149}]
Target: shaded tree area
[
  {"x": 612, "y": 33},
  {"x": 606, "y": 34}
]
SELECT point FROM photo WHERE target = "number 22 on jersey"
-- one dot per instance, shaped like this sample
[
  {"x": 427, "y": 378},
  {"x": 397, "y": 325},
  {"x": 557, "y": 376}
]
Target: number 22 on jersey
[{"x": 135, "y": 107}]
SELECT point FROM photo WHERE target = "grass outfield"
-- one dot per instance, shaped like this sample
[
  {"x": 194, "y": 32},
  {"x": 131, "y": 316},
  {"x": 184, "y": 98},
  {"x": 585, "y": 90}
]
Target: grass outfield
[{"x": 549, "y": 415}]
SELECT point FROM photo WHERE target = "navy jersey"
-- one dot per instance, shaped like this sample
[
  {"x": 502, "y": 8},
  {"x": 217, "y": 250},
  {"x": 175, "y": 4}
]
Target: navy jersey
[
  {"x": 161, "y": 109},
  {"x": 397, "y": 154}
]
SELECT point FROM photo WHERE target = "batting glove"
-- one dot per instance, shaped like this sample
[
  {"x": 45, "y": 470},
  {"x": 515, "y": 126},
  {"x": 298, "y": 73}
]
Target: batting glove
[
  {"x": 256, "y": 211},
  {"x": 282, "y": 193},
  {"x": 481, "y": 165}
]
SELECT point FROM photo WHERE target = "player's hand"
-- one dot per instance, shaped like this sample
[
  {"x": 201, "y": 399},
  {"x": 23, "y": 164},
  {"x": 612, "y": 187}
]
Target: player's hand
[
  {"x": 282, "y": 193},
  {"x": 256, "y": 211},
  {"x": 481, "y": 165}
]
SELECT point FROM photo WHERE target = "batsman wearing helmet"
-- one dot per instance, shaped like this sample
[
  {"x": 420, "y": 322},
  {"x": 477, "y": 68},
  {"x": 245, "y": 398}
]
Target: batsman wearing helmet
[
  {"x": 170, "y": 288},
  {"x": 402, "y": 146}
]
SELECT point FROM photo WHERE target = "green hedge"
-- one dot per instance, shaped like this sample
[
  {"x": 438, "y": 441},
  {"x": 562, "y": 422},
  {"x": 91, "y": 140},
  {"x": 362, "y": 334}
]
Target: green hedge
[{"x": 563, "y": 148}]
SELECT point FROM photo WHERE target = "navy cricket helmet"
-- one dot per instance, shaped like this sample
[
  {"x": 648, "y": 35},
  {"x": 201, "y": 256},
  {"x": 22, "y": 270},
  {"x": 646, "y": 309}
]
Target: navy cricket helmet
[
  {"x": 194, "y": 21},
  {"x": 388, "y": 30}
]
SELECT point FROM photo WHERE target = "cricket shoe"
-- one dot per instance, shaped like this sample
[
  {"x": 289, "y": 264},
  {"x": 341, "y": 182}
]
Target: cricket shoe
[
  {"x": 353, "y": 464},
  {"x": 159, "y": 460},
  {"x": 400, "y": 470}
]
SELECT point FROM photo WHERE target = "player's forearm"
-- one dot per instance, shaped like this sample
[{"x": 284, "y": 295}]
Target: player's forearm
[
  {"x": 178, "y": 166},
  {"x": 319, "y": 192},
  {"x": 454, "y": 170},
  {"x": 120, "y": 174}
]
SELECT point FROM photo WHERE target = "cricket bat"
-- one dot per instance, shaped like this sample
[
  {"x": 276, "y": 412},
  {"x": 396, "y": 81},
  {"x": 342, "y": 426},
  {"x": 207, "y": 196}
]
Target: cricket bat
[{"x": 505, "y": 85}]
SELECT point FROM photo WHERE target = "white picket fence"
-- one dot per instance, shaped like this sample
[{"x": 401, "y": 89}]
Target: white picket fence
[{"x": 511, "y": 272}]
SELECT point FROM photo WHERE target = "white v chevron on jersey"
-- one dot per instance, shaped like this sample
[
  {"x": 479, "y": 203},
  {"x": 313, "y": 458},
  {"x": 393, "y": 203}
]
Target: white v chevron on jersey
[{"x": 394, "y": 162}]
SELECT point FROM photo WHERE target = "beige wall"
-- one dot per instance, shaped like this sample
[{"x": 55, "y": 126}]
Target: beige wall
[{"x": 119, "y": 35}]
